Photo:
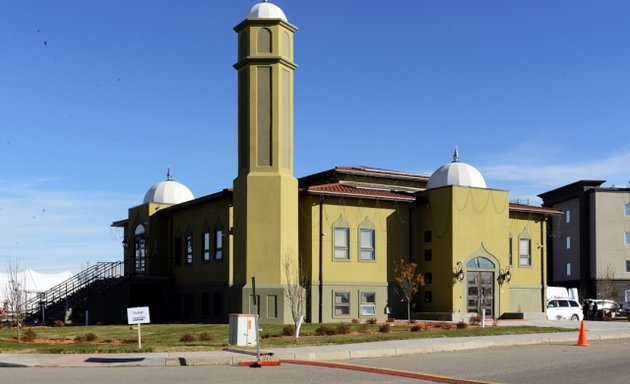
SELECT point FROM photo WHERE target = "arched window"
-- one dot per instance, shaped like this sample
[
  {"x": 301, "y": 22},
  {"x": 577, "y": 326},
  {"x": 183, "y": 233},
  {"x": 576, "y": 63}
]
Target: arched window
[
  {"x": 140, "y": 249},
  {"x": 341, "y": 240},
  {"x": 480, "y": 263},
  {"x": 264, "y": 41}
]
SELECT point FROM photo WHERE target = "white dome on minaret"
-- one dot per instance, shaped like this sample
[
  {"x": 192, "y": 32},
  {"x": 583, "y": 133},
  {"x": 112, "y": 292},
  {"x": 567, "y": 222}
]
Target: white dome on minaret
[
  {"x": 168, "y": 192},
  {"x": 456, "y": 173},
  {"x": 265, "y": 10}
]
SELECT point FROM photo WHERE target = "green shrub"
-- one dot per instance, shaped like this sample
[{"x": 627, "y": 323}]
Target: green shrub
[
  {"x": 29, "y": 335},
  {"x": 288, "y": 330},
  {"x": 324, "y": 331},
  {"x": 443, "y": 325},
  {"x": 91, "y": 337},
  {"x": 187, "y": 338},
  {"x": 80, "y": 339},
  {"x": 363, "y": 328},
  {"x": 343, "y": 329}
]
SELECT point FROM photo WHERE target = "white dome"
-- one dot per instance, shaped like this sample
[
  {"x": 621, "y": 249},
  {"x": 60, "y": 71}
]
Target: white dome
[
  {"x": 266, "y": 10},
  {"x": 456, "y": 173},
  {"x": 168, "y": 192}
]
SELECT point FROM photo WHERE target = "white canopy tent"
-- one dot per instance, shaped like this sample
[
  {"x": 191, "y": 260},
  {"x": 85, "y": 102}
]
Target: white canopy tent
[{"x": 33, "y": 282}]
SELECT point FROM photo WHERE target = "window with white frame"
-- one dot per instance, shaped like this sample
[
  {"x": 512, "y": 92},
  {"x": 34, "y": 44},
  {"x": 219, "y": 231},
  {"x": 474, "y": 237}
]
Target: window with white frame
[
  {"x": 627, "y": 238},
  {"x": 567, "y": 216},
  {"x": 342, "y": 303},
  {"x": 140, "y": 249},
  {"x": 626, "y": 209},
  {"x": 568, "y": 240},
  {"x": 524, "y": 252},
  {"x": 368, "y": 303},
  {"x": 568, "y": 269},
  {"x": 206, "y": 247},
  {"x": 342, "y": 243},
  {"x": 366, "y": 244},
  {"x": 218, "y": 245},
  {"x": 189, "y": 250}
]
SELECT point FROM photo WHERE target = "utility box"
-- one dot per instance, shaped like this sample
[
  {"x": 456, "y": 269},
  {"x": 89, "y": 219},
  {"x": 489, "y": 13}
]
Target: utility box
[{"x": 242, "y": 329}]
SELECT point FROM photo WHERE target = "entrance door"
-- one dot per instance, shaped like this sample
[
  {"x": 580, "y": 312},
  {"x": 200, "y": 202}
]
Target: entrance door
[{"x": 481, "y": 293}]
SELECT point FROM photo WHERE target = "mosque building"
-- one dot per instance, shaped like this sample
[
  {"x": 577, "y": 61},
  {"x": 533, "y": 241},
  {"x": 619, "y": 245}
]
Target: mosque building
[{"x": 193, "y": 258}]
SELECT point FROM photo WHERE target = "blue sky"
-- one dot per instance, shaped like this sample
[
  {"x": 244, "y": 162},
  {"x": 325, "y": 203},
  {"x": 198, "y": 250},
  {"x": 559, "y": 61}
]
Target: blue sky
[{"x": 98, "y": 98}]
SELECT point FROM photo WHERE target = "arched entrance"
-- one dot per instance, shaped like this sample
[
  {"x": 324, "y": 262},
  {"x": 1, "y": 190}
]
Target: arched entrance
[{"x": 480, "y": 286}]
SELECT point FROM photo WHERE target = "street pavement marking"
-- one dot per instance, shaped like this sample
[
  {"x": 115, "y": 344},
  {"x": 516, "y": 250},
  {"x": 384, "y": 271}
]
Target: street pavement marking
[{"x": 386, "y": 371}]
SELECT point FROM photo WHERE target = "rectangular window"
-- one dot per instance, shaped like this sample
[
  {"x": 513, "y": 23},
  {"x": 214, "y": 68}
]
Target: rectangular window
[
  {"x": 427, "y": 236},
  {"x": 510, "y": 253},
  {"x": 627, "y": 238},
  {"x": 272, "y": 306},
  {"x": 368, "y": 304},
  {"x": 188, "y": 304},
  {"x": 428, "y": 255},
  {"x": 567, "y": 216},
  {"x": 524, "y": 253},
  {"x": 626, "y": 209},
  {"x": 341, "y": 240},
  {"x": 627, "y": 265},
  {"x": 217, "y": 303},
  {"x": 428, "y": 278},
  {"x": 568, "y": 242},
  {"x": 178, "y": 251},
  {"x": 568, "y": 269},
  {"x": 205, "y": 303},
  {"x": 189, "y": 250},
  {"x": 206, "y": 247},
  {"x": 218, "y": 245},
  {"x": 342, "y": 303},
  {"x": 366, "y": 240}
]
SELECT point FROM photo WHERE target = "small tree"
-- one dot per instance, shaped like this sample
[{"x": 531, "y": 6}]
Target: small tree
[
  {"x": 15, "y": 293},
  {"x": 295, "y": 290},
  {"x": 409, "y": 282}
]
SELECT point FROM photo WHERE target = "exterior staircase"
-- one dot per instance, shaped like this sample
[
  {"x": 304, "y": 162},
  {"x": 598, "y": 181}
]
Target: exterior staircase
[{"x": 75, "y": 292}]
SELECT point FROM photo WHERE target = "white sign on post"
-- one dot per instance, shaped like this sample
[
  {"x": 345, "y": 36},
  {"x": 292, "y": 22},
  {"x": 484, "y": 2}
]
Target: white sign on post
[{"x": 138, "y": 315}]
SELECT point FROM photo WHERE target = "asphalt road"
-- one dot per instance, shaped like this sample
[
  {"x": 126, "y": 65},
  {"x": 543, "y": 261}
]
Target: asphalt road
[
  {"x": 283, "y": 374},
  {"x": 606, "y": 361}
]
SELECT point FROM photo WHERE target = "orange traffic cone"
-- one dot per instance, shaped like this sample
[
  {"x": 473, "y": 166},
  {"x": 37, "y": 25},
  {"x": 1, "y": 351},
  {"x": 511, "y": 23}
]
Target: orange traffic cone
[{"x": 582, "y": 342}]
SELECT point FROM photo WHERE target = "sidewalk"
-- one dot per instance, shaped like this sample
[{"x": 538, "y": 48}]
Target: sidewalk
[{"x": 595, "y": 330}]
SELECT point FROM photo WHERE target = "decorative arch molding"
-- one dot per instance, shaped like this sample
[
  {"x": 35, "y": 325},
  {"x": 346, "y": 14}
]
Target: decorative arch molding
[{"x": 478, "y": 256}]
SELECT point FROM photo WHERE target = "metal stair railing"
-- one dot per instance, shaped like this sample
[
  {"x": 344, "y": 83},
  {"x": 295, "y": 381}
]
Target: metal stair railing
[{"x": 100, "y": 274}]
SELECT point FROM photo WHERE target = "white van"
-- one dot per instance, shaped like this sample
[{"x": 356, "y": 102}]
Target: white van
[{"x": 564, "y": 308}]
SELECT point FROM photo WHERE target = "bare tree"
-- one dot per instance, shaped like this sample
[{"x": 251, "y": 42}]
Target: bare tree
[
  {"x": 295, "y": 290},
  {"x": 606, "y": 286},
  {"x": 15, "y": 293},
  {"x": 409, "y": 282}
]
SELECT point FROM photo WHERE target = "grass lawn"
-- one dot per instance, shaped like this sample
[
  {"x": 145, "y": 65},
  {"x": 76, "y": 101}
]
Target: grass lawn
[{"x": 203, "y": 337}]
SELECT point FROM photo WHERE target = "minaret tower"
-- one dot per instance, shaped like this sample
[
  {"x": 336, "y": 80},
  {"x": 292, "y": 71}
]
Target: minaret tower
[{"x": 265, "y": 190}]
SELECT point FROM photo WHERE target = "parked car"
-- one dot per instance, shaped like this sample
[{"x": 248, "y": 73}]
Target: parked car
[
  {"x": 610, "y": 308},
  {"x": 564, "y": 308}
]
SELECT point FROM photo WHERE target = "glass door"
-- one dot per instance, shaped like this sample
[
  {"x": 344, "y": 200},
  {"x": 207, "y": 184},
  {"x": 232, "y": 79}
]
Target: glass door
[{"x": 481, "y": 293}]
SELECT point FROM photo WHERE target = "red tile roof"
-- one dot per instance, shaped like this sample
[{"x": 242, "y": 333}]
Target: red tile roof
[
  {"x": 518, "y": 207},
  {"x": 337, "y": 189}
]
